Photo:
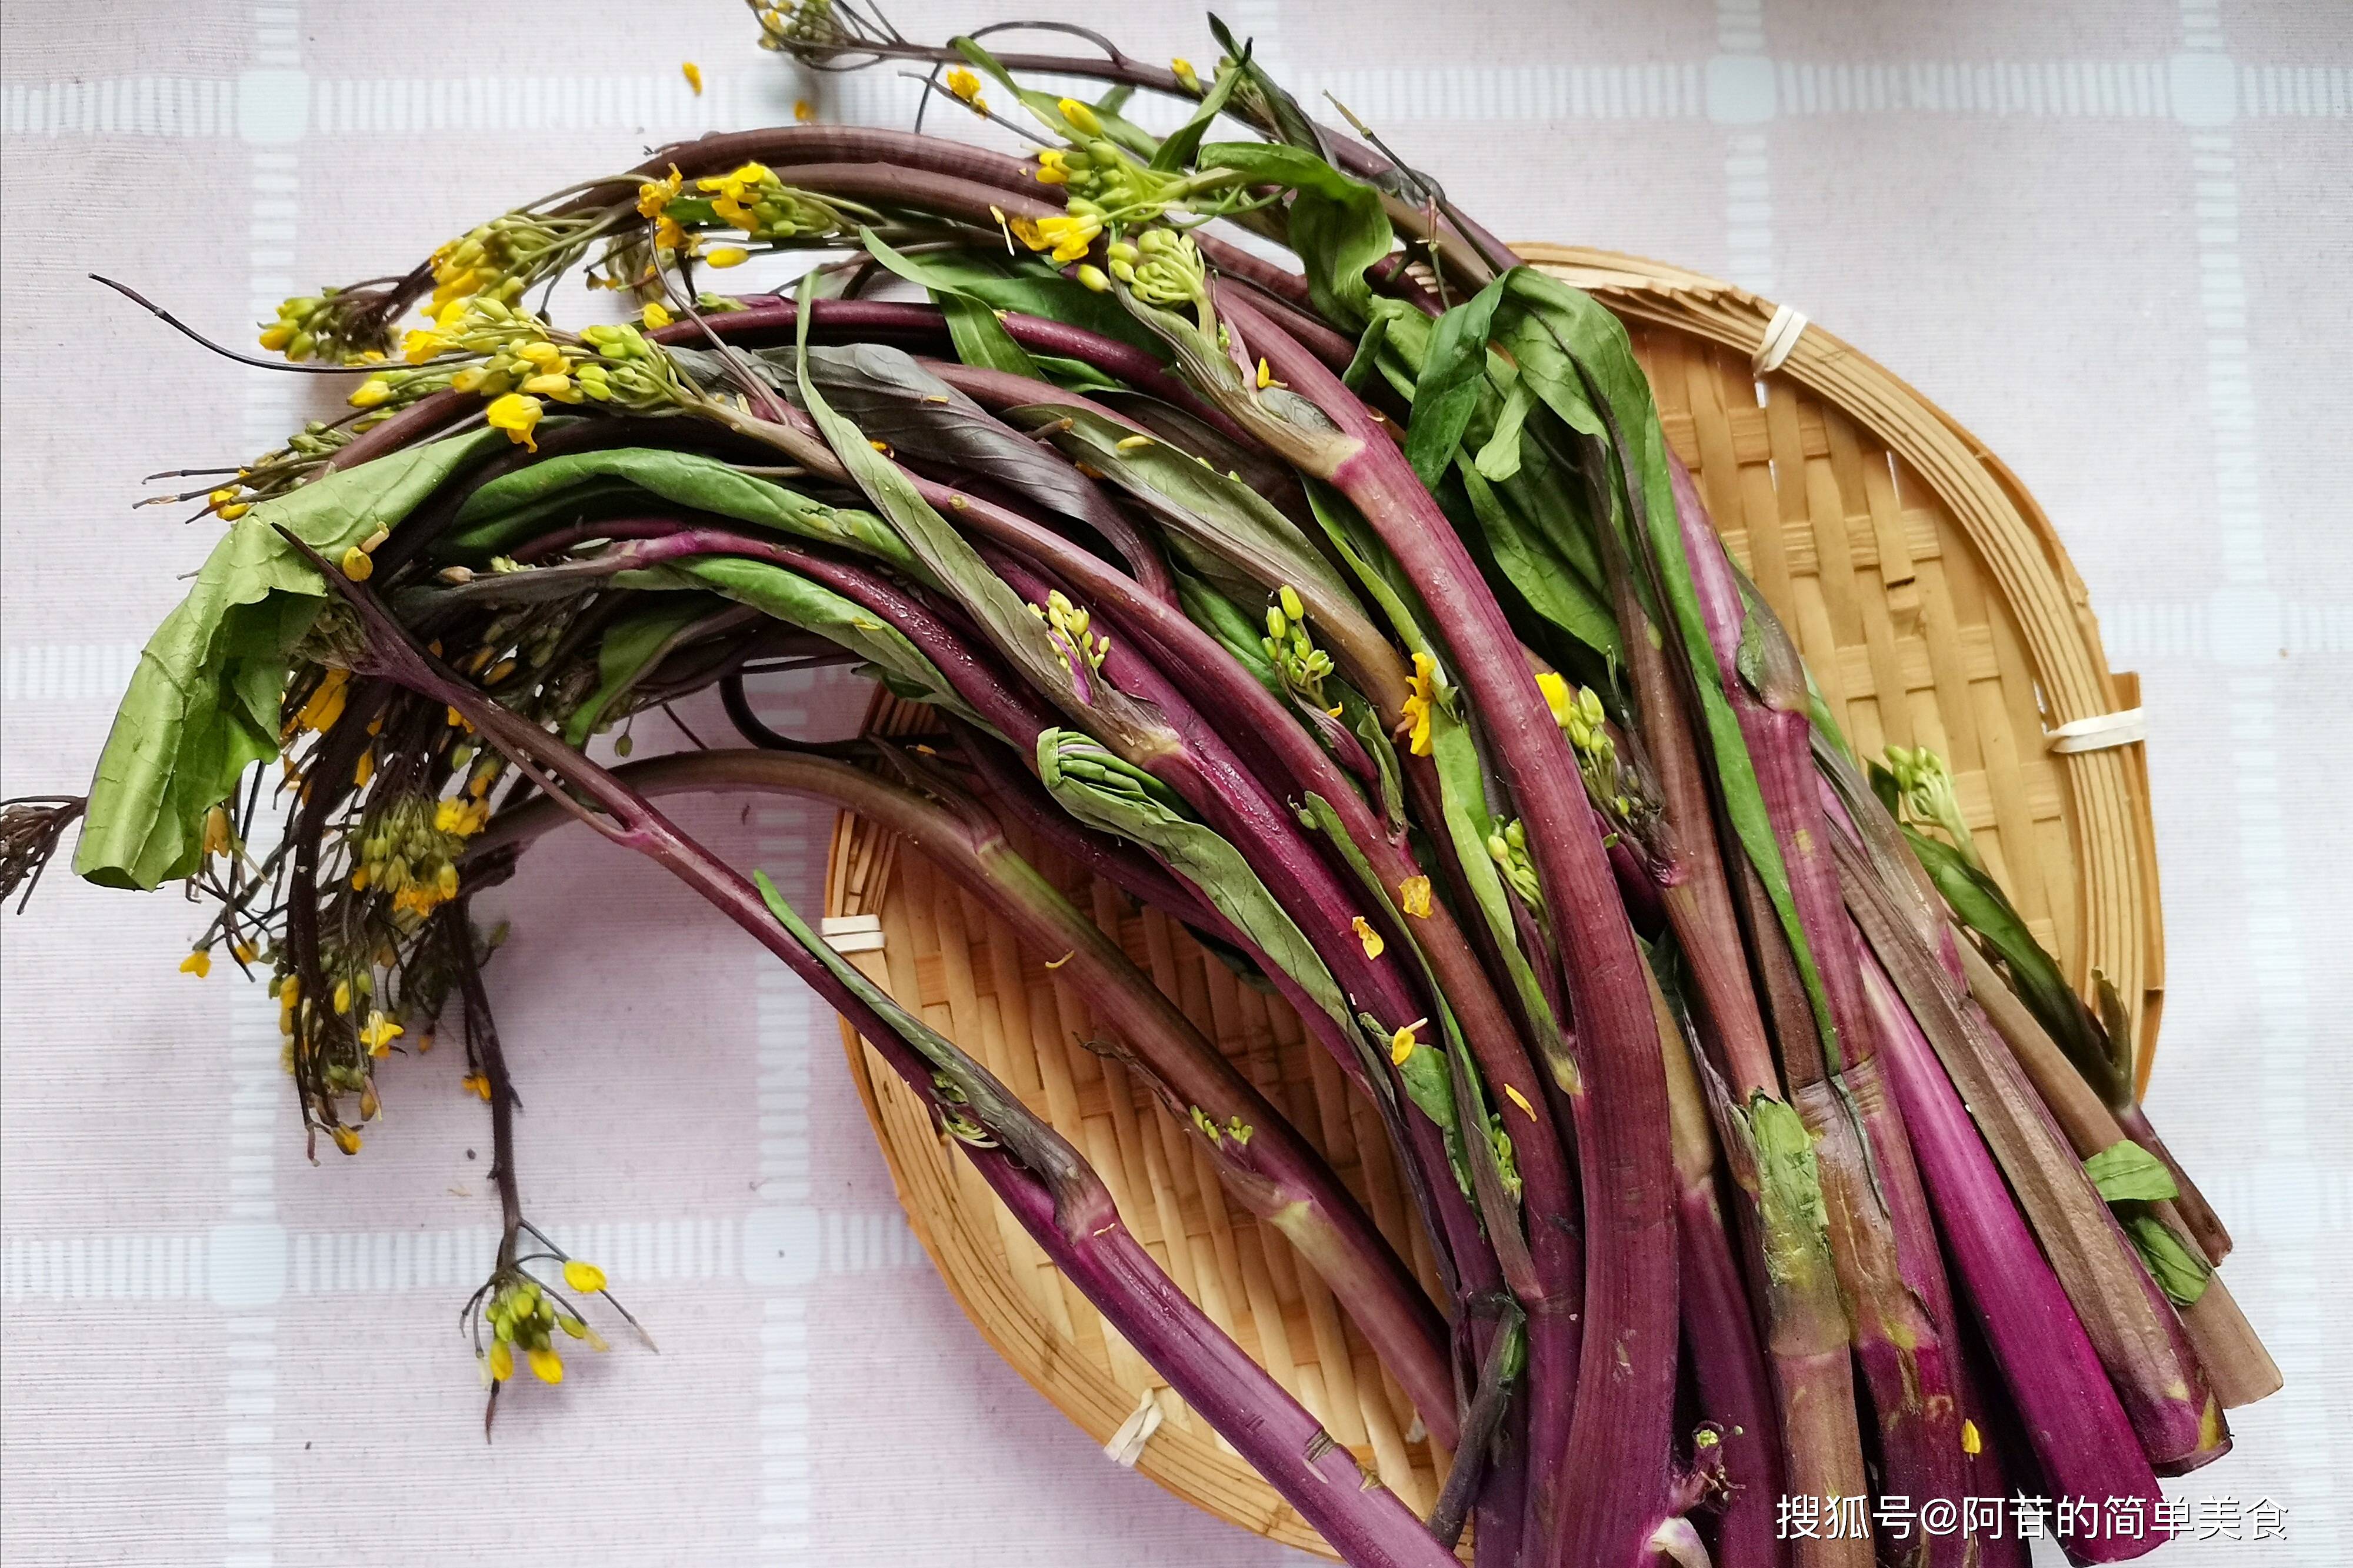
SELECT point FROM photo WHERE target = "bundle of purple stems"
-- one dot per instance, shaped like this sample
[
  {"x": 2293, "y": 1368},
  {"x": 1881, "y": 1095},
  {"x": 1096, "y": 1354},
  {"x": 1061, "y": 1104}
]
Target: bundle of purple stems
[{"x": 1348, "y": 608}]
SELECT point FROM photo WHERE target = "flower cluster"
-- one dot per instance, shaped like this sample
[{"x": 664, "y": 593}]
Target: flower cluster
[
  {"x": 1509, "y": 849},
  {"x": 787, "y": 25},
  {"x": 751, "y": 198},
  {"x": 1068, "y": 624},
  {"x": 499, "y": 259},
  {"x": 1163, "y": 268},
  {"x": 1067, "y": 236},
  {"x": 275, "y": 473},
  {"x": 523, "y": 1315},
  {"x": 1578, "y": 711},
  {"x": 410, "y": 850},
  {"x": 1303, "y": 665},
  {"x": 340, "y": 326},
  {"x": 518, "y": 362},
  {"x": 1926, "y": 789}
]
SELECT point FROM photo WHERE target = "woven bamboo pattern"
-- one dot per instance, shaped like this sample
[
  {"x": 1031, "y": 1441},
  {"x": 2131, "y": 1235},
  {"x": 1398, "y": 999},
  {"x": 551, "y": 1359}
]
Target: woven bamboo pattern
[{"x": 1935, "y": 607}]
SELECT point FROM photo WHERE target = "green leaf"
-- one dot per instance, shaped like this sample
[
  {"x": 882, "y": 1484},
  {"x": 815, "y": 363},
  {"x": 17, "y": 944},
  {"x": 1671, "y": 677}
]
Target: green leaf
[
  {"x": 963, "y": 1083},
  {"x": 1289, "y": 121},
  {"x": 1223, "y": 619},
  {"x": 1215, "y": 511},
  {"x": 979, "y": 337},
  {"x": 948, "y": 557},
  {"x": 1977, "y": 902},
  {"x": 2178, "y": 1268},
  {"x": 1034, "y": 288},
  {"x": 1384, "y": 581},
  {"x": 203, "y": 704},
  {"x": 1369, "y": 349},
  {"x": 1103, "y": 792},
  {"x": 789, "y": 597},
  {"x": 634, "y": 642},
  {"x": 2126, "y": 1170},
  {"x": 1044, "y": 106},
  {"x": 1075, "y": 375},
  {"x": 1177, "y": 152},
  {"x": 890, "y": 397},
  {"x": 1462, "y": 798},
  {"x": 513, "y": 506},
  {"x": 1528, "y": 562},
  {"x": 1571, "y": 351},
  {"x": 1499, "y": 460},
  {"x": 1453, "y": 377},
  {"x": 1338, "y": 227}
]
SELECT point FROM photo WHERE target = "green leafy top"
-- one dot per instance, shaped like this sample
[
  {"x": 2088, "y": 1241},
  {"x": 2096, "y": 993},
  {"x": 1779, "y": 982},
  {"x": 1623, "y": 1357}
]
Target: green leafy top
[{"x": 202, "y": 705}]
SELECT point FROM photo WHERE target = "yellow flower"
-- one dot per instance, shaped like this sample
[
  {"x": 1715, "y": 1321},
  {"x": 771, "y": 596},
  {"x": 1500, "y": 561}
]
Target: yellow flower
[
  {"x": 232, "y": 511},
  {"x": 654, "y": 195},
  {"x": 1265, "y": 376},
  {"x": 372, "y": 392},
  {"x": 243, "y": 952},
  {"x": 1413, "y": 897},
  {"x": 501, "y": 1360},
  {"x": 727, "y": 256},
  {"x": 474, "y": 1083},
  {"x": 516, "y": 414},
  {"x": 447, "y": 884},
  {"x": 357, "y": 565},
  {"x": 584, "y": 1277},
  {"x": 1517, "y": 1098},
  {"x": 277, "y": 335},
  {"x": 365, "y": 771},
  {"x": 1053, "y": 166},
  {"x": 1186, "y": 76},
  {"x": 198, "y": 963},
  {"x": 804, "y": 110},
  {"x": 655, "y": 314},
  {"x": 966, "y": 88},
  {"x": 1369, "y": 936},
  {"x": 326, "y": 701},
  {"x": 546, "y": 1365},
  {"x": 1082, "y": 118},
  {"x": 1068, "y": 236},
  {"x": 343, "y": 995},
  {"x": 216, "y": 831},
  {"x": 419, "y": 346},
  {"x": 693, "y": 74},
  {"x": 1417, "y": 704},
  {"x": 1401, "y": 1044},
  {"x": 379, "y": 1035},
  {"x": 552, "y": 383},
  {"x": 667, "y": 236},
  {"x": 347, "y": 1139},
  {"x": 1558, "y": 696}
]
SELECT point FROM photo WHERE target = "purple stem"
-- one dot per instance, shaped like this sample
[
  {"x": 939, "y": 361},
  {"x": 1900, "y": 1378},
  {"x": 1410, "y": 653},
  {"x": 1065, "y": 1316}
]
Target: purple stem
[
  {"x": 1055, "y": 1195},
  {"x": 1270, "y": 1170},
  {"x": 2078, "y": 1429},
  {"x": 1884, "y": 1238},
  {"x": 1620, "y": 1447}
]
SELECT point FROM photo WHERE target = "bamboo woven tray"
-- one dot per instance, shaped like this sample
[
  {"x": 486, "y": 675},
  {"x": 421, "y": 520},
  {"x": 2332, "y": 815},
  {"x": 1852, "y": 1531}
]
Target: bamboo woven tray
[{"x": 1935, "y": 607}]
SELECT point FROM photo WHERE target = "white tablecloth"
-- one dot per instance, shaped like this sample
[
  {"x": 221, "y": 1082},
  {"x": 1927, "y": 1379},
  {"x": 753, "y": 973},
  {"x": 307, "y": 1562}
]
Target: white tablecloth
[{"x": 2112, "y": 238}]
